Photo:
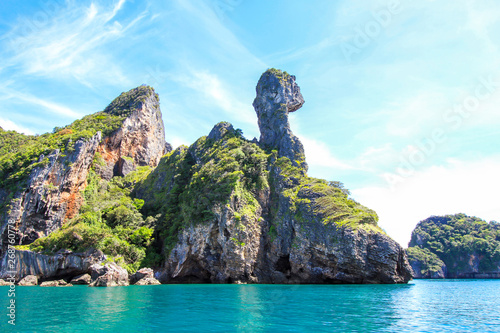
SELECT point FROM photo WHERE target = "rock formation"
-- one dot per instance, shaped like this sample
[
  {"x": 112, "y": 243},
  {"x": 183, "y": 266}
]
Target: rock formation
[
  {"x": 277, "y": 95},
  {"x": 56, "y": 283},
  {"x": 224, "y": 210},
  {"x": 141, "y": 139},
  {"x": 109, "y": 275},
  {"x": 143, "y": 277},
  {"x": 81, "y": 279},
  {"x": 29, "y": 280},
  {"x": 52, "y": 194},
  {"x": 48, "y": 267},
  {"x": 267, "y": 222}
]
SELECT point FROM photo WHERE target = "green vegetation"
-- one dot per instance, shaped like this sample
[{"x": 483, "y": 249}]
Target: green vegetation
[
  {"x": 109, "y": 220},
  {"x": 453, "y": 239},
  {"x": 20, "y": 154},
  {"x": 207, "y": 175},
  {"x": 129, "y": 101},
  {"x": 330, "y": 200},
  {"x": 136, "y": 219},
  {"x": 429, "y": 262},
  {"x": 281, "y": 75}
]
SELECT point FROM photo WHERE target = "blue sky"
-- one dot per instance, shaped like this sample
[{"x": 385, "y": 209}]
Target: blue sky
[{"x": 401, "y": 97}]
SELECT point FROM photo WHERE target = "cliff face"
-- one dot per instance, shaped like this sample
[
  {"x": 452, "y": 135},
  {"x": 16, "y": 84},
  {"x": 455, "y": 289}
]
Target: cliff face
[
  {"x": 455, "y": 246},
  {"x": 61, "y": 265},
  {"x": 51, "y": 194},
  {"x": 224, "y": 210},
  {"x": 277, "y": 95},
  {"x": 236, "y": 213},
  {"x": 141, "y": 139}
]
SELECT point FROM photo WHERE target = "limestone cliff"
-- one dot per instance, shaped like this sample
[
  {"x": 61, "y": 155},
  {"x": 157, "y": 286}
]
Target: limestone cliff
[
  {"x": 455, "y": 246},
  {"x": 140, "y": 140},
  {"x": 47, "y": 191},
  {"x": 234, "y": 211},
  {"x": 52, "y": 194},
  {"x": 277, "y": 95},
  {"x": 224, "y": 210}
]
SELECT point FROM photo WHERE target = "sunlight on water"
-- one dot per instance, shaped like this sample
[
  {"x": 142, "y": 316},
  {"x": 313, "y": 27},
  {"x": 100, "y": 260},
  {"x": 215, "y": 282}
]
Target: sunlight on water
[{"x": 421, "y": 306}]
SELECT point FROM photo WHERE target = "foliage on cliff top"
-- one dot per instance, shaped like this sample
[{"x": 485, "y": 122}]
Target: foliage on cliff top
[
  {"x": 128, "y": 101},
  {"x": 329, "y": 200},
  {"x": 278, "y": 73},
  {"x": 109, "y": 221},
  {"x": 190, "y": 182},
  {"x": 453, "y": 238},
  {"x": 20, "y": 153}
]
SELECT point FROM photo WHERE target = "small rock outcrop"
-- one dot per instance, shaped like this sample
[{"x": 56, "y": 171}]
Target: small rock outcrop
[
  {"x": 4, "y": 283},
  {"x": 220, "y": 130},
  {"x": 49, "y": 267},
  {"x": 143, "y": 277},
  {"x": 147, "y": 282},
  {"x": 277, "y": 95},
  {"x": 81, "y": 279},
  {"x": 109, "y": 275},
  {"x": 56, "y": 283},
  {"x": 30, "y": 280},
  {"x": 141, "y": 139},
  {"x": 141, "y": 274}
]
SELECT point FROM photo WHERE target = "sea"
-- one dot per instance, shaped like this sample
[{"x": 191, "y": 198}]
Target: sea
[{"x": 420, "y": 306}]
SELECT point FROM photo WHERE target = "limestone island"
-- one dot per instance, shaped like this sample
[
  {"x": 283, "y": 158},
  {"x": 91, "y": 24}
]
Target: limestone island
[{"x": 105, "y": 201}]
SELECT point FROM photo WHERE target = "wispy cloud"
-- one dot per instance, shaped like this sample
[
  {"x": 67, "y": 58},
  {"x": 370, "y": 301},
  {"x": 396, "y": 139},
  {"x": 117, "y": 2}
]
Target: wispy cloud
[
  {"x": 50, "y": 106},
  {"x": 318, "y": 153},
  {"x": 224, "y": 38},
  {"x": 70, "y": 44},
  {"x": 216, "y": 92},
  {"x": 9, "y": 125}
]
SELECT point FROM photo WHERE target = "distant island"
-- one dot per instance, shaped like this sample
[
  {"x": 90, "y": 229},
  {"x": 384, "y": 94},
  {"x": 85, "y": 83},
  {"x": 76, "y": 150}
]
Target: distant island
[{"x": 455, "y": 246}]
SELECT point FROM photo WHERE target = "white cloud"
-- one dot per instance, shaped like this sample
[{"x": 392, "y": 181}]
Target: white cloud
[
  {"x": 227, "y": 43},
  {"x": 374, "y": 158},
  {"x": 69, "y": 44},
  {"x": 416, "y": 114},
  {"x": 215, "y": 91},
  {"x": 9, "y": 125},
  {"x": 480, "y": 20},
  {"x": 469, "y": 187},
  {"x": 52, "y": 107},
  {"x": 177, "y": 142},
  {"x": 318, "y": 154}
]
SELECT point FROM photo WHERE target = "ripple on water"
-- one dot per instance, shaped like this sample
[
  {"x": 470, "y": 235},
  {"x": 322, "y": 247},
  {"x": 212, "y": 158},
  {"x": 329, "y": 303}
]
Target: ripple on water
[{"x": 421, "y": 306}]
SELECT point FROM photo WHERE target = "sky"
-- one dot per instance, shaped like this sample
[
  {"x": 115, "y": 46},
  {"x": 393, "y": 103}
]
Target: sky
[{"x": 401, "y": 96}]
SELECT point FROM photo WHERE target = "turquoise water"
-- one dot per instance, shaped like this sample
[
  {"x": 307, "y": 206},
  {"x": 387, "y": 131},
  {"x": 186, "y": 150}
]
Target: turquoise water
[{"x": 421, "y": 306}]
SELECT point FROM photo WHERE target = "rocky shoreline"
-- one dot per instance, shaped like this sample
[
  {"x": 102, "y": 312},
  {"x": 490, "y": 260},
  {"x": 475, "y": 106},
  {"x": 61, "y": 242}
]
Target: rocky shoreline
[{"x": 99, "y": 274}]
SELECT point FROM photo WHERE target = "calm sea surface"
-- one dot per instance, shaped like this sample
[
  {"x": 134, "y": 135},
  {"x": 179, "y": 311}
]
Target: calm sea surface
[{"x": 421, "y": 306}]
